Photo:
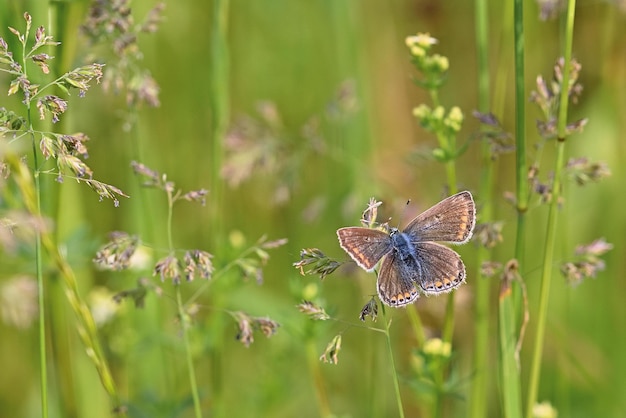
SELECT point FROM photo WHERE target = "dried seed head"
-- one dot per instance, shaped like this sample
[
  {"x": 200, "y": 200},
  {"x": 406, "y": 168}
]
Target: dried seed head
[
  {"x": 331, "y": 353},
  {"x": 370, "y": 309},
  {"x": 168, "y": 268},
  {"x": 313, "y": 311},
  {"x": 245, "y": 334},
  {"x": 318, "y": 261},
  {"x": 118, "y": 252}
]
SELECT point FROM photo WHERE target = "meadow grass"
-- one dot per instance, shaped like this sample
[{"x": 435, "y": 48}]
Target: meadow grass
[{"x": 285, "y": 118}]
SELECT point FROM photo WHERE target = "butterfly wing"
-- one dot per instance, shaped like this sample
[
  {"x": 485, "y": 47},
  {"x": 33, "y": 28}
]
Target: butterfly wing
[
  {"x": 365, "y": 246},
  {"x": 395, "y": 287},
  {"x": 451, "y": 220},
  {"x": 439, "y": 269}
]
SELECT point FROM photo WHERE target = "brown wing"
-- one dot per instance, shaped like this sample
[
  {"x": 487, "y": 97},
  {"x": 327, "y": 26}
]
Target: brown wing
[
  {"x": 395, "y": 287},
  {"x": 451, "y": 220},
  {"x": 365, "y": 246},
  {"x": 439, "y": 269}
]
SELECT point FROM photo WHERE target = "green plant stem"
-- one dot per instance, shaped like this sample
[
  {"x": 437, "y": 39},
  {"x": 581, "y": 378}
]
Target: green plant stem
[
  {"x": 170, "y": 210},
  {"x": 38, "y": 247},
  {"x": 318, "y": 381},
  {"x": 40, "y": 288},
  {"x": 220, "y": 116},
  {"x": 548, "y": 260},
  {"x": 181, "y": 314},
  {"x": 396, "y": 383},
  {"x": 220, "y": 111},
  {"x": 416, "y": 323},
  {"x": 508, "y": 306},
  {"x": 522, "y": 186},
  {"x": 188, "y": 355},
  {"x": 546, "y": 280},
  {"x": 85, "y": 324},
  {"x": 448, "y": 144},
  {"x": 479, "y": 394},
  {"x": 509, "y": 365}
]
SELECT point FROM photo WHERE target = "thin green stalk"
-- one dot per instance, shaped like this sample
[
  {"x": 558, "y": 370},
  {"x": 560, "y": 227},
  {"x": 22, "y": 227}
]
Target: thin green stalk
[
  {"x": 448, "y": 321},
  {"x": 38, "y": 258},
  {"x": 396, "y": 383},
  {"x": 546, "y": 279},
  {"x": 220, "y": 108},
  {"x": 40, "y": 289},
  {"x": 508, "y": 306},
  {"x": 479, "y": 394},
  {"x": 522, "y": 190},
  {"x": 318, "y": 381},
  {"x": 170, "y": 210},
  {"x": 509, "y": 365},
  {"x": 416, "y": 323},
  {"x": 85, "y": 325},
  {"x": 190, "y": 369},
  {"x": 182, "y": 316},
  {"x": 448, "y": 144}
]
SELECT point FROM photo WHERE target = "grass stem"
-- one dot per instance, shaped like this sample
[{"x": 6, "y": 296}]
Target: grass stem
[
  {"x": 192, "y": 374},
  {"x": 479, "y": 393},
  {"x": 507, "y": 306},
  {"x": 318, "y": 380},
  {"x": 548, "y": 261},
  {"x": 396, "y": 383}
]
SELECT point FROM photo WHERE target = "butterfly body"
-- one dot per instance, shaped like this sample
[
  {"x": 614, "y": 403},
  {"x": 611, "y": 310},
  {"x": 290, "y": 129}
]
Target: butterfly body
[
  {"x": 412, "y": 262},
  {"x": 402, "y": 245}
]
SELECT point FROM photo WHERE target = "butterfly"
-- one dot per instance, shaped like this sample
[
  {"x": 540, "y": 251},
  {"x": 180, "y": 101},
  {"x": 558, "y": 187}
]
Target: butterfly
[{"x": 413, "y": 262}]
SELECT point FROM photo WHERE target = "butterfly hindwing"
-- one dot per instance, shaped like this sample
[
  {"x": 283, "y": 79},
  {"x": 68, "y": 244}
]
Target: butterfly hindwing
[
  {"x": 439, "y": 269},
  {"x": 395, "y": 288}
]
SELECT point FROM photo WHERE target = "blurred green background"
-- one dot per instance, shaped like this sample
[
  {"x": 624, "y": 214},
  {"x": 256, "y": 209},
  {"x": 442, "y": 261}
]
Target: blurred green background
[{"x": 338, "y": 75}]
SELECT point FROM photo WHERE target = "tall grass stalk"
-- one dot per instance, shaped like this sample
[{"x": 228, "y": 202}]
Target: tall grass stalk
[
  {"x": 220, "y": 108},
  {"x": 32, "y": 192},
  {"x": 62, "y": 345},
  {"x": 36, "y": 210},
  {"x": 546, "y": 275},
  {"x": 85, "y": 325},
  {"x": 508, "y": 356},
  {"x": 182, "y": 315},
  {"x": 40, "y": 285},
  {"x": 507, "y": 301},
  {"x": 479, "y": 394},
  {"x": 220, "y": 112},
  {"x": 416, "y": 324},
  {"x": 318, "y": 380},
  {"x": 447, "y": 143},
  {"x": 396, "y": 383},
  {"x": 190, "y": 369}
]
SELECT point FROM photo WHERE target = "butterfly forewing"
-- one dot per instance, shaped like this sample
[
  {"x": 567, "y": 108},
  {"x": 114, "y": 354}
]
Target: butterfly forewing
[
  {"x": 451, "y": 220},
  {"x": 440, "y": 268},
  {"x": 395, "y": 288},
  {"x": 365, "y": 246}
]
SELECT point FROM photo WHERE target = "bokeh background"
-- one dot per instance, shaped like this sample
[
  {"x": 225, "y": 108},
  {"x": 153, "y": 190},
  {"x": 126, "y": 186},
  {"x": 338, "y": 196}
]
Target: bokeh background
[{"x": 324, "y": 91}]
